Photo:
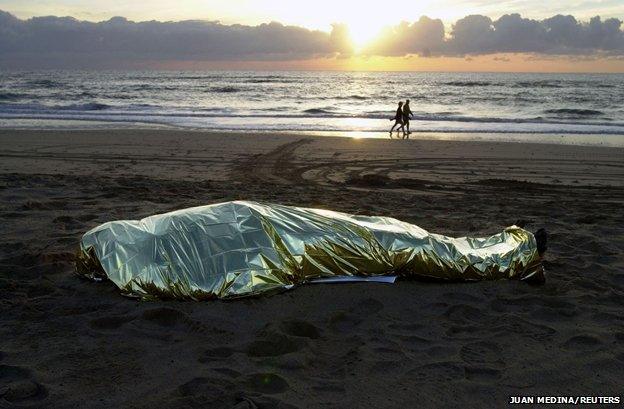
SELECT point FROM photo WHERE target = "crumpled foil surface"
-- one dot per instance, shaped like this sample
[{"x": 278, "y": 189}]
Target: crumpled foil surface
[{"x": 242, "y": 248}]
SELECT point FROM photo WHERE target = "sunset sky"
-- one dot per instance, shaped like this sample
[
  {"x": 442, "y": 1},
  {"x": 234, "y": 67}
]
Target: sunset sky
[{"x": 331, "y": 34}]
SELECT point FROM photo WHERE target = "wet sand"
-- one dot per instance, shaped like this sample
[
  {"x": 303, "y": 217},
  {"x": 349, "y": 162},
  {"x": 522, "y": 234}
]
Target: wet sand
[{"x": 66, "y": 342}]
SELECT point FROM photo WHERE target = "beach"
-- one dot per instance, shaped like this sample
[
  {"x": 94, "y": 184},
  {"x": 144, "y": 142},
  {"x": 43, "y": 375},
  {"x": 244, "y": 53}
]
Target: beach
[{"x": 68, "y": 342}]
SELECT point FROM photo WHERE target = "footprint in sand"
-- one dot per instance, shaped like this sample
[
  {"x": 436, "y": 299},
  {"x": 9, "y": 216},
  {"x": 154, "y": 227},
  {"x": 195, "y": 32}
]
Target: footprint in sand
[
  {"x": 406, "y": 329},
  {"x": 18, "y": 386},
  {"x": 272, "y": 343},
  {"x": 340, "y": 320},
  {"x": 170, "y": 317},
  {"x": 463, "y": 313},
  {"x": 388, "y": 366},
  {"x": 482, "y": 373},
  {"x": 368, "y": 306},
  {"x": 465, "y": 332},
  {"x": 582, "y": 343},
  {"x": 461, "y": 297},
  {"x": 329, "y": 387},
  {"x": 483, "y": 361},
  {"x": 110, "y": 323},
  {"x": 437, "y": 372},
  {"x": 408, "y": 336},
  {"x": 261, "y": 402},
  {"x": 301, "y": 329},
  {"x": 229, "y": 372},
  {"x": 268, "y": 383},
  {"x": 347, "y": 320},
  {"x": 438, "y": 352},
  {"x": 482, "y": 353},
  {"x": 165, "y": 317},
  {"x": 523, "y": 328},
  {"x": 215, "y": 354},
  {"x": 206, "y": 388}
]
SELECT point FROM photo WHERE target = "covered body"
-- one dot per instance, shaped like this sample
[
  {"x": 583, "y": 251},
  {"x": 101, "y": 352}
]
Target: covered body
[{"x": 240, "y": 248}]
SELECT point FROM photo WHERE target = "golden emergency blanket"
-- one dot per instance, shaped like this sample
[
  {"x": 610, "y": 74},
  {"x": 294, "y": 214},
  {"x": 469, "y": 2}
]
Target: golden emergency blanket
[{"x": 241, "y": 248}]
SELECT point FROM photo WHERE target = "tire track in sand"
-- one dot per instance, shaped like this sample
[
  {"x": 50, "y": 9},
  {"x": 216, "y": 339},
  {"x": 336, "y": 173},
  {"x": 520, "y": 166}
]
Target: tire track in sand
[{"x": 276, "y": 166}]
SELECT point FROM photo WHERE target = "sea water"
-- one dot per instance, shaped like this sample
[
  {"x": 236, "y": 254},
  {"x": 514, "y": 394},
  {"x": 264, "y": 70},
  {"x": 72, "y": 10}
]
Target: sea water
[{"x": 344, "y": 102}]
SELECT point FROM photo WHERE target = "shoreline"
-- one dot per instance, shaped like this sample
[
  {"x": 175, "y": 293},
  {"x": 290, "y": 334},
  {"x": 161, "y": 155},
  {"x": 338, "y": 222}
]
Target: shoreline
[{"x": 566, "y": 139}]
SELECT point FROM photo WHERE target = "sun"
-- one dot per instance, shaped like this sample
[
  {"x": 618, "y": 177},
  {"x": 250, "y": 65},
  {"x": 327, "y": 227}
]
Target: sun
[{"x": 362, "y": 33}]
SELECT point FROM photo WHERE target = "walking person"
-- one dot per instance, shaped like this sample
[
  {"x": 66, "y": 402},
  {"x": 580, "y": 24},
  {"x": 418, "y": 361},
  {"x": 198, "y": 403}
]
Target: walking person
[
  {"x": 407, "y": 113},
  {"x": 398, "y": 120}
]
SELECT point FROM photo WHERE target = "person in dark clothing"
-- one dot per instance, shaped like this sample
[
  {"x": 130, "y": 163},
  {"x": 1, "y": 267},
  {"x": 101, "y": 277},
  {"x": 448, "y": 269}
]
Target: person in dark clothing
[
  {"x": 407, "y": 113},
  {"x": 398, "y": 120}
]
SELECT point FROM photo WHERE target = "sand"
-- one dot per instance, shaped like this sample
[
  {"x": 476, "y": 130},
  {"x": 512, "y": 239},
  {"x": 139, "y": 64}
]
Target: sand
[{"x": 66, "y": 342}]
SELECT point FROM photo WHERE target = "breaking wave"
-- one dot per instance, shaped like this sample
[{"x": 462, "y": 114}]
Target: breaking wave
[
  {"x": 226, "y": 89},
  {"x": 318, "y": 111},
  {"x": 10, "y": 96},
  {"x": 574, "y": 112},
  {"x": 469, "y": 83}
]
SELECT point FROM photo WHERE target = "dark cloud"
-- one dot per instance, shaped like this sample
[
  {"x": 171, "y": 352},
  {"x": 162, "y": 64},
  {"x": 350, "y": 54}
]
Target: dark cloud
[
  {"x": 565, "y": 33},
  {"x": 67, "y": 42},
  {"x": 476, "y": 34},
  {"x": 513, "y": 34}
]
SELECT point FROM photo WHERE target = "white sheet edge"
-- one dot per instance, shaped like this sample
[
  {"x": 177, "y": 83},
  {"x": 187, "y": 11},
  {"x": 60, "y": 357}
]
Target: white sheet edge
[{"x": 352, "y": 279}]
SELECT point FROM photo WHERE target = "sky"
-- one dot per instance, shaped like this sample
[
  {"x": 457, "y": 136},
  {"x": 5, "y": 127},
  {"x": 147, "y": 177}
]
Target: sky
[
  {"x": 456, "y": 35},
  {"x": 317, "y": 14}
]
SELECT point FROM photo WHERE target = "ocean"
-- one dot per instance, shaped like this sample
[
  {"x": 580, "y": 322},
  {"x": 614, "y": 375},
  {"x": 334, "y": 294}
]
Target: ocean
[{"x": 360, "y": 102}]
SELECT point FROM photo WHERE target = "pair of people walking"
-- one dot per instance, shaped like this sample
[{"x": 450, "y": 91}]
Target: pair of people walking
[{"x": 402, "y": 119}]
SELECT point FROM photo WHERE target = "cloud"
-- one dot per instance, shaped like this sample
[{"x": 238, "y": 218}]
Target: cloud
[
  {"x": 557, "y": 35},
  {"x": 340, "y": 39},
  {"x": 511, "y": 33},
  {"x": 67, "y": 42},
  {"x": 421, "y": 37}
]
